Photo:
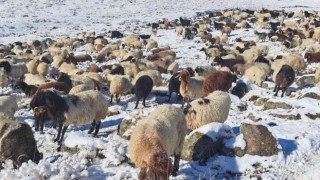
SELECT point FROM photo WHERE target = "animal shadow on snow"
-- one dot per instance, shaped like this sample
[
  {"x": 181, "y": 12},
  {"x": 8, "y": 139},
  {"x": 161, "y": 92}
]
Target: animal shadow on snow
[{"x": 288, "y": 146}]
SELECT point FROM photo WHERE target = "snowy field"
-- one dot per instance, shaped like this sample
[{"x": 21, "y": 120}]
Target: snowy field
[{"x": 105, "y": 156}]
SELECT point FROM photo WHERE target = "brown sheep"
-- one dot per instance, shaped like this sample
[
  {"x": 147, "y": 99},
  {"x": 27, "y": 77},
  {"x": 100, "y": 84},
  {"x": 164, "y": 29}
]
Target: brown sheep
[
  {"x": 94, "y": 68},
  {"x": 79, "y": 58},
  {"x": 220, "y": 80},
  {"x": 63, "y": 83},
  {"x": 312, "y": 58},
  {"x": 284, "y": 79}
]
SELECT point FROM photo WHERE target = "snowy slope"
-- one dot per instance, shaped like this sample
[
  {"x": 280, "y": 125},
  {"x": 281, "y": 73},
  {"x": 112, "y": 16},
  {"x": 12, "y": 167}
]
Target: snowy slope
[{"x": 104, "y": 157}]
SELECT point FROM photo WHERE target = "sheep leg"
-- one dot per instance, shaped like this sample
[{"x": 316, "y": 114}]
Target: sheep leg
[
  {"x": 97, "y": 128},
  {"x": 169, "y": 96},
  {"x": 137, "y": 103},
  {"x": 278, "y": 88},
  {"x": 93, "y": 124},
  {"x": 59, "y": 133},
  {"x": 111, "y": 97},
  {"x": 275, "y": 88},
  {"x": 63, "y": 132},
  {"x": 117, "y": 98},
  {"x": 284, "y": 89},
  {"x": 176, "y": 164},
  {"x": 144, "y": 102}
]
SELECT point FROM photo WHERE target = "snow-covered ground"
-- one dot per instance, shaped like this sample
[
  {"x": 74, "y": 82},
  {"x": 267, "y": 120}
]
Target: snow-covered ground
[{"x": 105, "y": 156}]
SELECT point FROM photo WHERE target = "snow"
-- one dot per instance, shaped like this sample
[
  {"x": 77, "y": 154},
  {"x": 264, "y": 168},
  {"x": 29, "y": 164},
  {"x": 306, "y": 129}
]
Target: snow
[{"x": 106, "y": 156}]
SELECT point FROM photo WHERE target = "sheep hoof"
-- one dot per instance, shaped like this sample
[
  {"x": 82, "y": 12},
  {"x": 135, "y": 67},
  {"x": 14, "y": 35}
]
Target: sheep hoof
[
  {"x": 55, "y": 140},
  {"x": 41, "y": 132},
  {"x": 59, "y": 149},
  {"x": 174, "y": 173}
]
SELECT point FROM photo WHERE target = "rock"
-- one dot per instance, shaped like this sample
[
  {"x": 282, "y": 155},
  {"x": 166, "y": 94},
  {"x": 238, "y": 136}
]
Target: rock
[
  {"x": 311, "y": 95},
  {"x": 225, "y": 151},
  {"x": 306, "y": 79},
  {"x": 260, "y": 101},
  {"x": 313, "y": 116},
  {"x": 274, "y": 105},
  {"x": 71, "y": 150},
  {"x": 205, "y": 142},
  {"x": 259, "y": 140},
  {"x": 125, "y": 128},
  {"x": 287, "y": 116},
  {"x": 254, "y": 118}
]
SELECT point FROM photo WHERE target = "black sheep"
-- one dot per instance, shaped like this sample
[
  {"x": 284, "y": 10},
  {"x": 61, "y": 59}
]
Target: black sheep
[
  {"x": 142, "y": 89},
  {"x": 284, "y": 79},
  {"x": 240, "y": 89}
]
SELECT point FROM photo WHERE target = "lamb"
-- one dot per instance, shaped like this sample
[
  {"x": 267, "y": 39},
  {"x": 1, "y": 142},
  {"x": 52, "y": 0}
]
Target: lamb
[
  {"x": 210, "y": 52},
  {"x": 260, "y": 36},
  {"x": 173, "y": 68},
  {"x": 179, "y": 30},
  {"x": 220, "y": 80},
  {"x": 312, "y": 57},
  {"x": 128, "y": 40},
  {"x": 204, "y": 70},
  {"x": 8, "y": 106},
  {"x": 17, "y": 143},
  {"x": 79, "y": 109},
  {"x": 120, "y": 85},
  {"x": 174, "y": 84},
  {"x": 284, "y": 79},
  {"x": 149, "y": 147},
  {"x": 191, "y": 87},
  {"x": 142, "y": 88},
  {"x": 213, "y": 108}
]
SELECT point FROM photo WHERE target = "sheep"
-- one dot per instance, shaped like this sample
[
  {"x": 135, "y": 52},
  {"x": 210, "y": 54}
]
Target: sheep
[
  {"x": 63, "y": 83},
  {"x": 80, "y": 88},
  {"x": 240, "y": 89},
  {"x": 14, "y": 70},
  {"x": 121, "y": 54},
  {"x": 89, "y": 48},
  {"x": 284, "y": 79},
  {"x": 190, "y": 87},
  {"x": 210, "y": 52},
  {"x": 17, "y": 143},
  {"x": 295, "y": 60},
  {"x": 213, "y": 108},
  {"x": 79, "y": 58},
  {"x": 136, "y": 45},
  {"x": 120, "y": 85},
  {"x": 8, "y": 106},
  {"x": 34, "y": 79},
  {"x": 43, "y": 69},
  {"x": 204, "y": 70},
  {"x": 173, "y": 68},
  {"x": 260, "y": 36},
  {"x": 94, "y": 68},
  {"x": 150, "y": 44},
  {"x": 174, "y": 84},
  {"x": 29, "y": 90},
  {"x": 227, "y": 63},
  {"x": 226, "y": 30},
  {"x": 57, "y": 61},
  {"x": 128, "y": 40},
  {"x": 250, "y": 55},
  {"x": 154, "y": 74},
  {"x": 32, "y": 66},
  {"x": 67, "y": 68},
  {"x": 142, "y": 88},
  {"x": 79, "y": 109},
  {"x": 255, "y": 74},
  {"x": 224, "y": 40},
  {"x": 312, "y": 57},
  {"x": 220, "y": 80},
  {"x": 179, "y": 30},
  {"x": 149, "y": 147}
]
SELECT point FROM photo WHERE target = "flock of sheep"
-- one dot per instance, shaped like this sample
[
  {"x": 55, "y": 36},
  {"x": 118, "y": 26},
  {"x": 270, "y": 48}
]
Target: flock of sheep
[{"x": 46, "y": 71}]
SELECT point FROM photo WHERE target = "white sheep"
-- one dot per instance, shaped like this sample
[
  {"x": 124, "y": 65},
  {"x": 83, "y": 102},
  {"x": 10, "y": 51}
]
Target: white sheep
[
  {"x": 80, "y": 88},
  {"x": 211, "y": 52},
  {"x": 14, "y": 71},
  {"x": 34, "y": 79},
  {"x": 250, "y": 55},
  {"x": 32, "y": 66},
  {"x": 255, "y": 74},
  {"x": 69, "y": 69},
  {"x": 204, "y": 70},
  {"x": 120, "y": 85},
  {"x": 154, "y": 74},
  {"x": 130, "y": 39},
  {"x": 190, "y": 87},
  {"x": 43, "y": 69},
  {"x": 57, "y": 61},
  {"x": 295, "y": 60},
  {"x": 8, "y": 106},
  {"x": 173, "y": 68},
  {"x": 213, "y": 108},
  {"x": 78, "y": 109},
  {"x": 151, "y": 44},
  {"x": 89, "y": 48},
  {"x": 155, "y": 138}
]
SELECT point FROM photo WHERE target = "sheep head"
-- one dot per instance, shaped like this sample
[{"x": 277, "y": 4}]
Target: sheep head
[
  {"x": 6, "y": 65},
  {"x": 184, "y": 76}
]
